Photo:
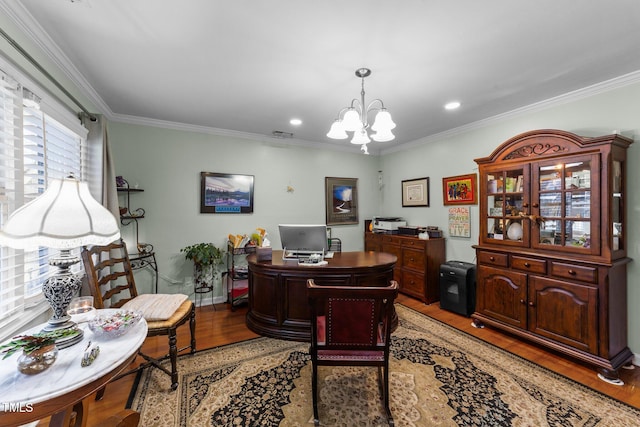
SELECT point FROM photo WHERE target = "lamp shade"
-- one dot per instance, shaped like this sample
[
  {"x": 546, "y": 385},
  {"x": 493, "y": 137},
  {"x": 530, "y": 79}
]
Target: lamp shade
[
  {"x": 360, "y": 137},
  {"x": 383, "y": 136},
  {"x": 65, "y": 216},
  {"x": 337, "y": 131},
  {"x": 351, "y": 121},
  {"x": 383, "y": 121}
]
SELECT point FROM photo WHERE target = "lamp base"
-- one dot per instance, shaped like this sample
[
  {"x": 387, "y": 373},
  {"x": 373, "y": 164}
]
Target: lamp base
[{"x": 59, "y": 290}]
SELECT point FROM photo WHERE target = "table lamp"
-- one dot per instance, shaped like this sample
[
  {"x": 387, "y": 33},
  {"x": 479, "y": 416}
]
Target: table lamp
[{"x": 64, "y": 217}]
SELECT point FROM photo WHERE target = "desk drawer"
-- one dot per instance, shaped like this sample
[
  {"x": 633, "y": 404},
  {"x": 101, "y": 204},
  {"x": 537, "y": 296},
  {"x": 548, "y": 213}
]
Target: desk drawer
[
  {"x": 395, "y": 240},
  {"x": 414, "y": 243},
  {"x": 493, "y": 258},
  {"x": 532, "y": 265},
  {"x": 412, "y": 284},
  {"x": 413, "y": 259},
  {"x": 574, "y": 272}
]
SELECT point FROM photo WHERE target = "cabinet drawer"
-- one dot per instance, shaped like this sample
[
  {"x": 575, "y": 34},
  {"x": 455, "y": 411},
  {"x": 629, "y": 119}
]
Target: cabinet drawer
[
  {"x": 413, "y": 259},
  {"x": 575, "y": 272},
  {"x": 390, "y": 239},
  {"x": 532, "y": 265},
  {"x": 493, "y": 258},
  {"x": 414, "y": 243},
  {"x": 412, "y": 284}
]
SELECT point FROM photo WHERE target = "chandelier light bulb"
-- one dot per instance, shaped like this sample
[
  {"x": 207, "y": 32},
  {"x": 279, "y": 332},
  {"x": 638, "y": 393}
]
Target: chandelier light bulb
[
  {"x": 383, "y": 136},
  {"x": 360, "y": 137},
  {"x": 383, "y": 121},
  {"x": 351, "y": 121},
  {"x": 337, "y": 131}
]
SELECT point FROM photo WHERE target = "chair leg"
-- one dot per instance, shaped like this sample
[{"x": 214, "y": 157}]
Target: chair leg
[
  {"x": 173, "y": 356},
  {"x": 385, "y": 395},
  {"x": 314, "y": 390},
  {"x": 192, "y": 329}
]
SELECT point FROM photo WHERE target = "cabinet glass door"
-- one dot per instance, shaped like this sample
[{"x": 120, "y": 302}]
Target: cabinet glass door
[
  {"x": 565, "y": 200},
  {"x": 504, "y": 205},
  {"x": 617, "y": 207}
]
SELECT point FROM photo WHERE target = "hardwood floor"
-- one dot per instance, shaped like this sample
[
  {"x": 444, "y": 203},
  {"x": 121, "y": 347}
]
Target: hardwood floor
[{"x": 223, "y": 326}]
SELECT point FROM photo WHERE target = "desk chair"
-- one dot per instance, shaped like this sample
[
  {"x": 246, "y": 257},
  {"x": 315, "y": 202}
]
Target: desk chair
[
  {"x": 112, "y": 285},
  {"x": 351, "y": 326}
]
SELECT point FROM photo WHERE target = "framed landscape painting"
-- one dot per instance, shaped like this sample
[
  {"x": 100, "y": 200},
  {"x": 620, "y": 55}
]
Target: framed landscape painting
[
  {"x": 226, "y": 193},
  {"x": 341, "y": 200},
  {"x": 460, "y": 190}
]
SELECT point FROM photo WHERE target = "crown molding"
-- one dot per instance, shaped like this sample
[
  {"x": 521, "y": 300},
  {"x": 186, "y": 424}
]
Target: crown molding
[
  {"x": 576, "y": 95},
  {"x": 27, "y": 24}
]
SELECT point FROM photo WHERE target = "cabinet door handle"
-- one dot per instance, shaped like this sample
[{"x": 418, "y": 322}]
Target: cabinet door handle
[
  {"x": 522, "y": 301},
  {"x": 491, "y": 258},
  {"x": 526, "y": 264},
  {"x": 531, "y": 304},
  {"x": 572, "y": 272},
  {"x": 535, "y": 205}
]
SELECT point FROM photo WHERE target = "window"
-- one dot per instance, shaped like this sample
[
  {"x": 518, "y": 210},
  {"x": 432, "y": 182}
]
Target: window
[{"x": 34, "y": 148}]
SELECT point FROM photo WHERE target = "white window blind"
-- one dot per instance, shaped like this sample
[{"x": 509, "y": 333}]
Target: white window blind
[
  {"x": 11, "y": 273},
  {"x": 34, "y": 148}
]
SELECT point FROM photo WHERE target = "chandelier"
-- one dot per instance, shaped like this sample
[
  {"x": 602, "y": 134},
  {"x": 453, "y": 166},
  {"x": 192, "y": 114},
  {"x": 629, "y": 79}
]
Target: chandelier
[{"x": 354, "y": 119}]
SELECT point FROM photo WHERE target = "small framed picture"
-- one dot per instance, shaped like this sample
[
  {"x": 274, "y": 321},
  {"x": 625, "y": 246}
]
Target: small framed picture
[
  {"x": 415, "y": 192},
  {"x": 341, "y": 200},
  {"x": 460, "y": 190}
]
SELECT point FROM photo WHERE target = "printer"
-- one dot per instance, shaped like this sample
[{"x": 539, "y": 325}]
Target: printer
[{"x": 388, "y": 224}]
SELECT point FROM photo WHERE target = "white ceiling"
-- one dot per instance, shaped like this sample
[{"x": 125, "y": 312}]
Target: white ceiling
[{"x": 251, "y": 66}]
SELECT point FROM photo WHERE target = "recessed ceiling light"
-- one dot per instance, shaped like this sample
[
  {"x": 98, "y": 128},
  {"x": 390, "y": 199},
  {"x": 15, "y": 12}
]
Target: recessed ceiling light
[
  {"x": 295, "y": 122},
  {"x": 451, "y": 105}
]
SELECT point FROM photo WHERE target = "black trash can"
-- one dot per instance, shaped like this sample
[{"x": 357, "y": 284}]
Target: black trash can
[{"x": 458, "y": 287}]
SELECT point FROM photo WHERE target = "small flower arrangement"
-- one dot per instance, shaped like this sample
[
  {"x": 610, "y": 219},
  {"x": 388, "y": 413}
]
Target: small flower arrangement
[{"x": 31, "y": 343}]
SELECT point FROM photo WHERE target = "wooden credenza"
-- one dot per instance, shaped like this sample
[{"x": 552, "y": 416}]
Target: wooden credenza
[{"x": 418, "y": 267}]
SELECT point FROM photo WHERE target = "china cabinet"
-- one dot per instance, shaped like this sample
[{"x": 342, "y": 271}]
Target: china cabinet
[{"x": 552, "y": 252}]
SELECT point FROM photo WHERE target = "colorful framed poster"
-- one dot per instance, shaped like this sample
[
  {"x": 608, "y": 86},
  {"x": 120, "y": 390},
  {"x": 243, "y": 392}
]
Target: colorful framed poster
[{"x": 460, "y": 190}]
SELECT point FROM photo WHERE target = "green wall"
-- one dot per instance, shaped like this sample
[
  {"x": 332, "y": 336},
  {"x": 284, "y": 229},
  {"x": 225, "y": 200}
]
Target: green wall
[{"x": 167, "y": 164}]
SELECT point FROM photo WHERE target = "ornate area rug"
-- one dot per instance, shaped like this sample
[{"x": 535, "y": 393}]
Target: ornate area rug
[{"x": 438, "y": 377}]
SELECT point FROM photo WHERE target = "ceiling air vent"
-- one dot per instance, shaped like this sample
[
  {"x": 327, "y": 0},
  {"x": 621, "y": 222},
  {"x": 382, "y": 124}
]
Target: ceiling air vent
[{"x": 281, "y": 134}]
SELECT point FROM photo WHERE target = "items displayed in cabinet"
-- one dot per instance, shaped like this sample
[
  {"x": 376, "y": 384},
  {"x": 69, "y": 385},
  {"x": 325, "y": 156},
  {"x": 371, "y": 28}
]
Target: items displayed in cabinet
[{"x": 551, "y": 254}]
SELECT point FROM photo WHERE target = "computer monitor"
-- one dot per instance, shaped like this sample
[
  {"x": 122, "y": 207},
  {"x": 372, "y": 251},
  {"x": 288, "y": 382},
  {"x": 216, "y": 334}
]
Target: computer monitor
[{"x": 304, "y": 238}]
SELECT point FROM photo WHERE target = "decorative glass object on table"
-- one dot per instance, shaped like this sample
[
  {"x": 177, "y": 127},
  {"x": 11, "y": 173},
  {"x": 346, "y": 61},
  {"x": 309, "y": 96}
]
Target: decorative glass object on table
[
  {"x": 113, "y": 323},
  {"x": 81, "y": 309}
]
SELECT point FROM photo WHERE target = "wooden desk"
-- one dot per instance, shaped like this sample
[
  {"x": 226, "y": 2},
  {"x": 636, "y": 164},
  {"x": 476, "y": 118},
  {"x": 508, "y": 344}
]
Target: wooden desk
[
  {"x": 62, "y": 388},
  {"x": 278, "y": 304}
]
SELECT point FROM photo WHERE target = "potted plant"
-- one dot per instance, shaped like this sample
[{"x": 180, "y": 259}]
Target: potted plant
[
  {"x": 39, "y": 350},
  {"x": 205, "y": 257}
]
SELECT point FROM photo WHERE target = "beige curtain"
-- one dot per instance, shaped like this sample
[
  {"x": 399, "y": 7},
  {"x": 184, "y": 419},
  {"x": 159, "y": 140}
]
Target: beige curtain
[
  {"x": 101, "y": 176},
  {"x": 103, "y": 184}
]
